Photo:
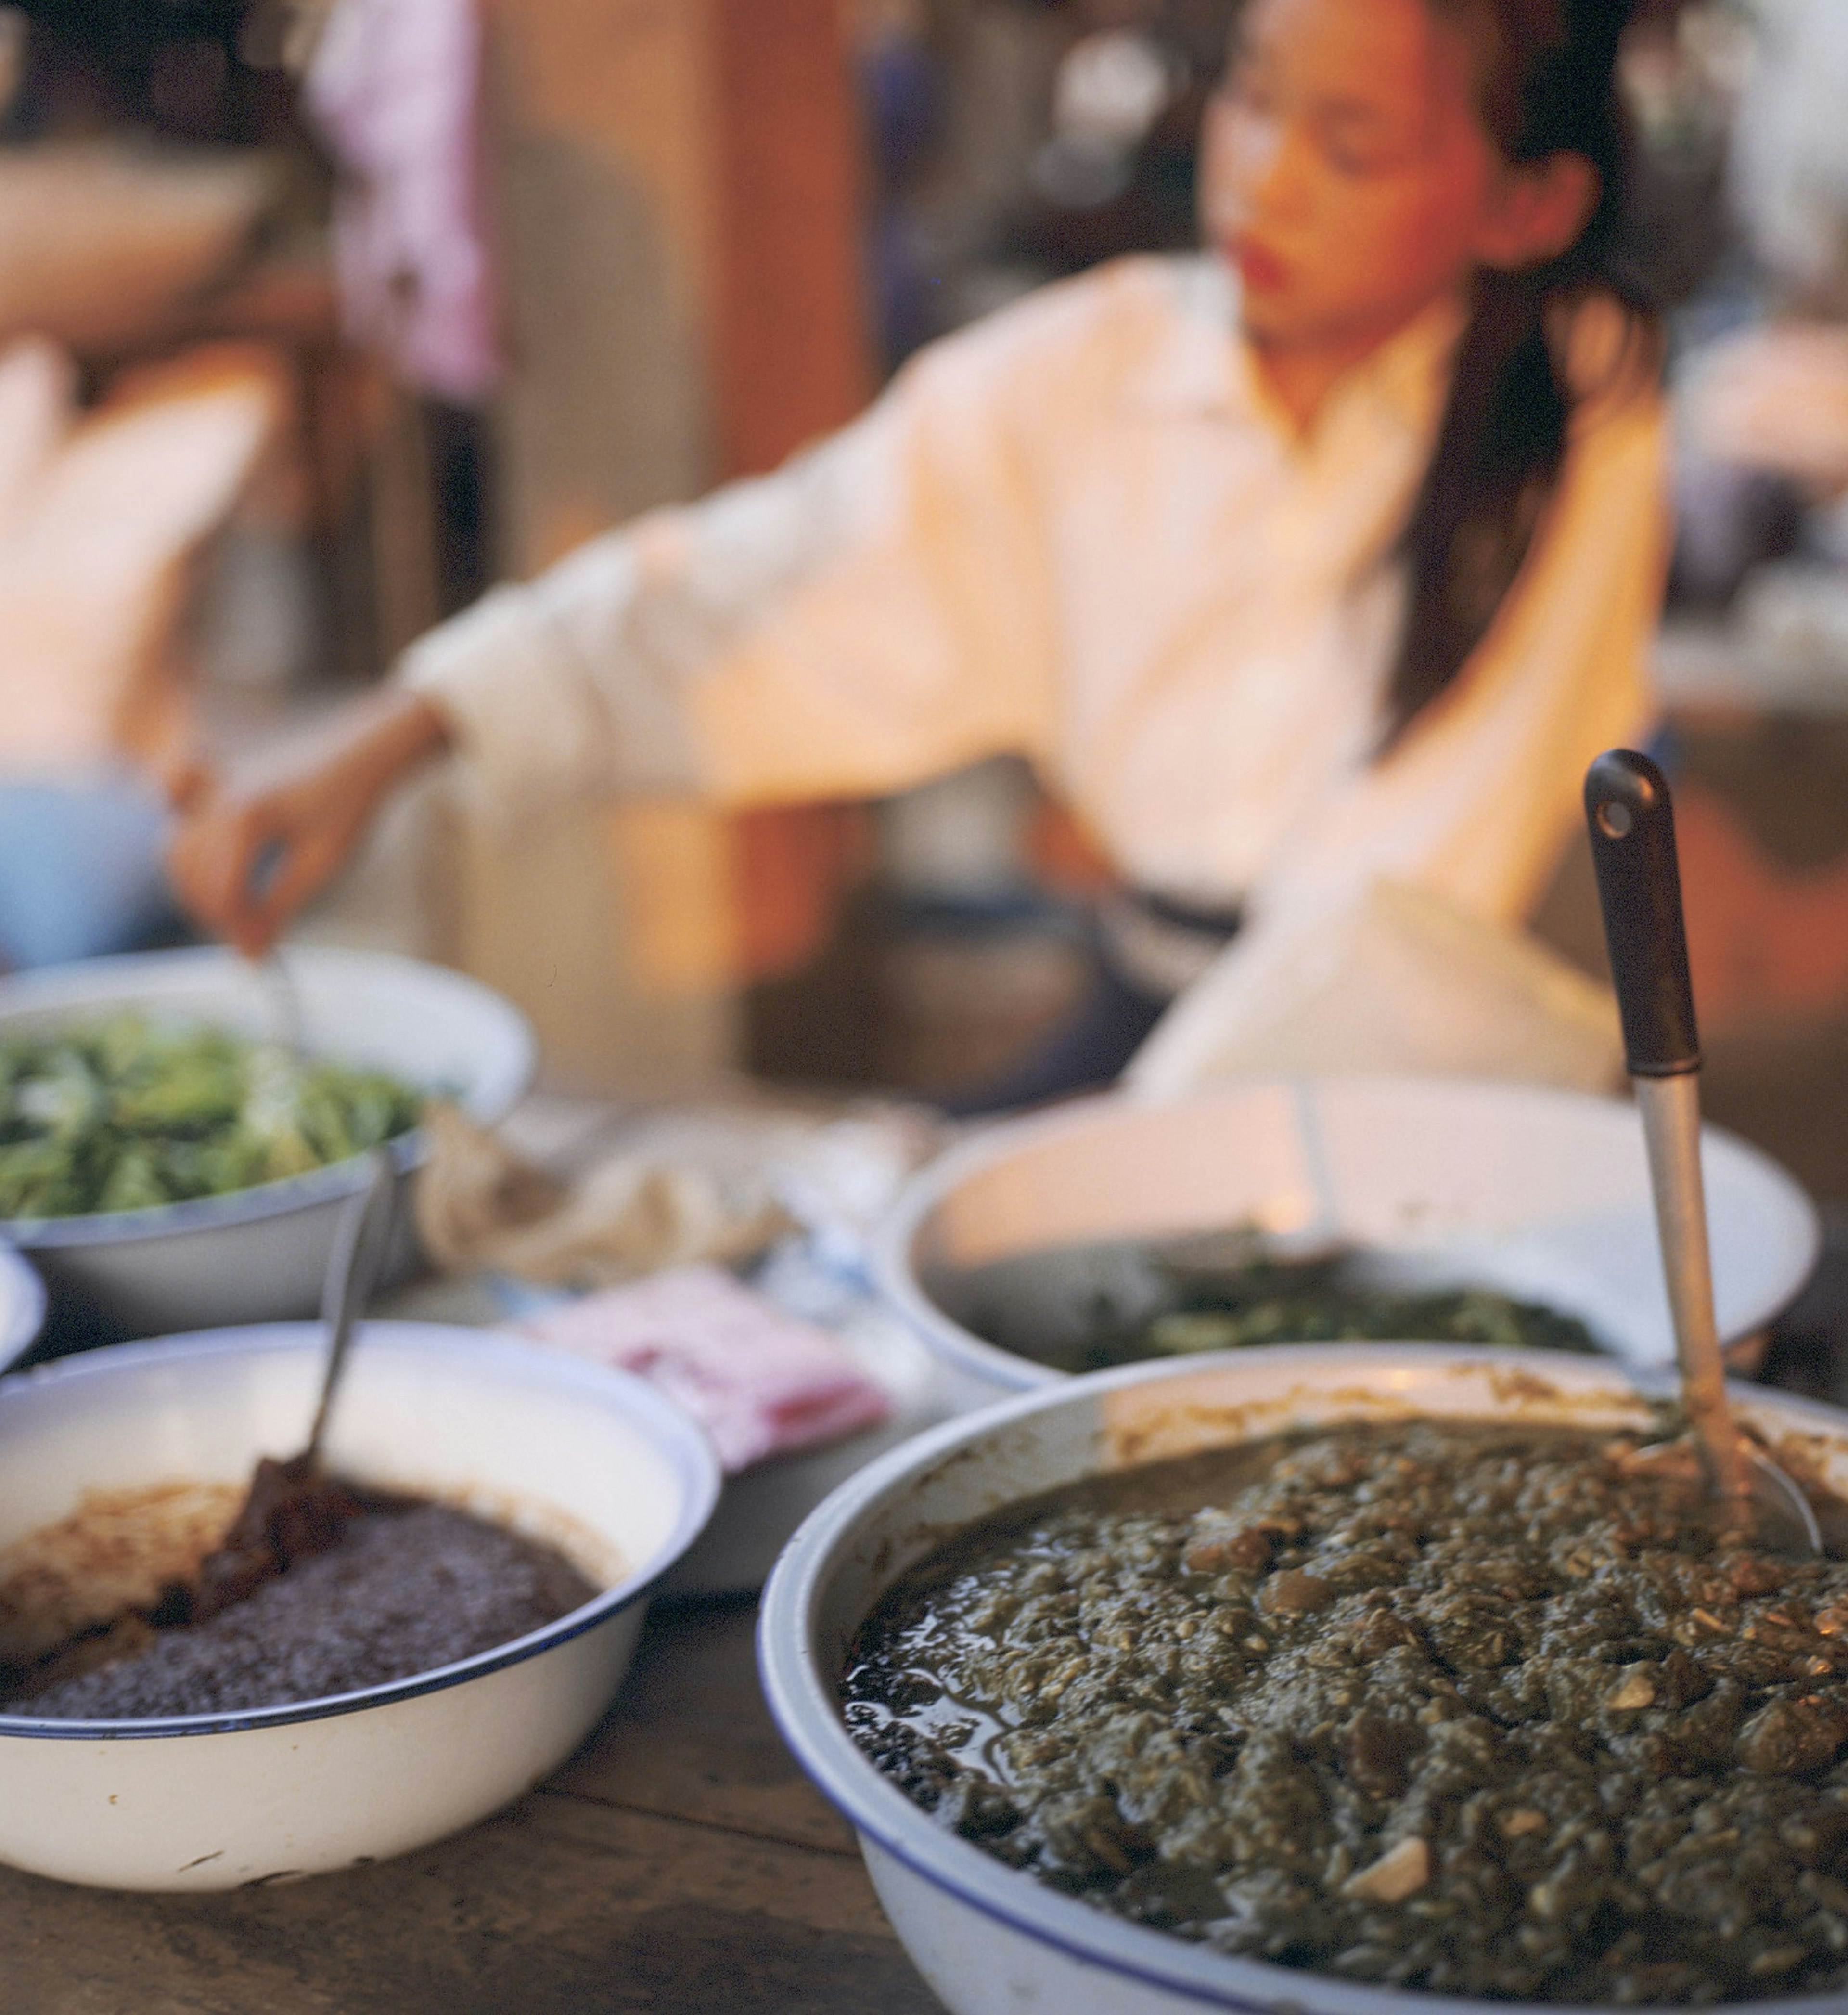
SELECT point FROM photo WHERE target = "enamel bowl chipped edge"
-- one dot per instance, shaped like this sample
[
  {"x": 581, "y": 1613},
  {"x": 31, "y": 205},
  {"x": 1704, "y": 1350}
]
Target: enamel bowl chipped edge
[
  {"x": 588, "y": 1458},
  {"x": 259, "y": 1255},
  {"x": 991, "y": 1940},
  {"x": 1542, "y": 1194}
]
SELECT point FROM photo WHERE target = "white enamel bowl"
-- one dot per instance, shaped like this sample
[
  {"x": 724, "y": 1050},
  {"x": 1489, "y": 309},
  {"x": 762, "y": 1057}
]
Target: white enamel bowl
[
  {"x": 590, "y": 1459},
  {"x": 1544, "y": 1194},
  {"x": 994, "y": 1940},
  {"x": 258, "y": 1254}
]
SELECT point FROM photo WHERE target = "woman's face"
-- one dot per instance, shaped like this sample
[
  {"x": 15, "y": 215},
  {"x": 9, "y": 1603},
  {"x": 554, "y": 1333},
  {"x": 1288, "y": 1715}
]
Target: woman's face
[{"x": 1345, "y": 174}]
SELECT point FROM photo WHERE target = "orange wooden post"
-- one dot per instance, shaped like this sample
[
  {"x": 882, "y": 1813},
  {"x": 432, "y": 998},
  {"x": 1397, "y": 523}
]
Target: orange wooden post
[
  {"x": 790, "y": 351},
  {"x": 790, "y": 358}
]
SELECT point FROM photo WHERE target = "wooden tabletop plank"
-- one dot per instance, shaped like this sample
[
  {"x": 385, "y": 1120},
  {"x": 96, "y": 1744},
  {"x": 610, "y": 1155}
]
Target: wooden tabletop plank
[
  {"x": 561, "y": 1904},
  {"x": 679, "y": 1865},
  {"x": 690, "y": 1736}
]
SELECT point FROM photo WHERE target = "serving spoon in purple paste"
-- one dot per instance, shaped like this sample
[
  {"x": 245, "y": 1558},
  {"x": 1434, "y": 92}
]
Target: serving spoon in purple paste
[{"x": 293, "y": 1508}]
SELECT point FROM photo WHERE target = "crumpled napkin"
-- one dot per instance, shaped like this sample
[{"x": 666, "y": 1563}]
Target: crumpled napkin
[
  {"x": 721, "y": 1186},
  {"x": 479, "y": 1206}
]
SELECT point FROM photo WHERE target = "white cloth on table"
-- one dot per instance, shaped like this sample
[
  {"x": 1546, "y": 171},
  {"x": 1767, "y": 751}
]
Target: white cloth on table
[
  {"x": 1081, "y": 532},
  {"x": 1394, "y": 980}
]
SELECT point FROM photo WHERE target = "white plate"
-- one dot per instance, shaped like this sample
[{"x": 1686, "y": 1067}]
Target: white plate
[
  {"x": 1544, "y": 1194},
  {"x": 760, "y": 1508}
]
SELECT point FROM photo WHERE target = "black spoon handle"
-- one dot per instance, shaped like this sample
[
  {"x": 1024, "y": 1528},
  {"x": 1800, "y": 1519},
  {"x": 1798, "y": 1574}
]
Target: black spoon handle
[{"x": 1631, "y": 820}]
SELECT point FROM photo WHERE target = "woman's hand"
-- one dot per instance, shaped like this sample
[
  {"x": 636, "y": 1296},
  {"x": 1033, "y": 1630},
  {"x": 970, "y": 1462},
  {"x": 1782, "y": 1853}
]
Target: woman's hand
[{"x": 245, "y": 859}]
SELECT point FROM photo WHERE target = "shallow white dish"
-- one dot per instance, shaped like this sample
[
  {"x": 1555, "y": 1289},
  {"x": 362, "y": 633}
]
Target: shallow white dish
[
  {"x": 258, "y": 1254},
  {"x": 760, "y": 1507},
  {"x": 995, "y": 1941},
  {"x": 590, "y": 1459},
  {"x": 1542, "y": 1194}
]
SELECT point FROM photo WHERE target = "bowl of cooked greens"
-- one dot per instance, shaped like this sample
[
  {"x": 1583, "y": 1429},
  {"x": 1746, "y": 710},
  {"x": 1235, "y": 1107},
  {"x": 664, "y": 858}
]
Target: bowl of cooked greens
[
  {"x": 1349, "y": 1679},
  {"x": 175, "y": 1151},
  {"x": 1113, "y": 1230}
]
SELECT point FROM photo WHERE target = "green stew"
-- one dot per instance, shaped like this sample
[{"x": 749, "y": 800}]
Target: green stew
[{"x": 1486, "y": 1711}]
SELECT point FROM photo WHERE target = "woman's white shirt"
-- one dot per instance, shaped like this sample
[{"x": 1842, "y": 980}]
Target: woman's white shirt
[{"x": 1081, "y": 532}]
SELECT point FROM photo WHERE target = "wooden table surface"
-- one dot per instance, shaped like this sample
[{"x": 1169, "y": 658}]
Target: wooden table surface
[{"x": 679, "y": 1864}]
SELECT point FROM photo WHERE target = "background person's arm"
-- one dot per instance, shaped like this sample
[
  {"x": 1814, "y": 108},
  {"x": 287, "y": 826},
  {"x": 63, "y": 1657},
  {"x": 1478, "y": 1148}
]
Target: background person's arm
[
  {"x": 873, "y": 614},
  {"x": 244, "y": 859}
]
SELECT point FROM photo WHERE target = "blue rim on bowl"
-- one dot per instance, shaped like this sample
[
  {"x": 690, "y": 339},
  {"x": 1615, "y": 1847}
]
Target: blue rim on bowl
[{"x": 673, "y": 1432}]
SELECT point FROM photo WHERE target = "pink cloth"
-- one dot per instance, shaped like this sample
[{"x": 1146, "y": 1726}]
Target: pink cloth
[
  {"x": 394, "y": 87},
  {"x": 760, "y": 1382}
]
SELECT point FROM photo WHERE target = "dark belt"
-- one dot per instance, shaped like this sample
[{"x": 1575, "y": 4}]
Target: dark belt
[{"x": 1223, "y": 923}]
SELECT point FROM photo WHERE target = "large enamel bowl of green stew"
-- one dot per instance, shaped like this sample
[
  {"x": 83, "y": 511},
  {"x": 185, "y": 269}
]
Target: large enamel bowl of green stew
[
  {"x": 1019, "y": 1249},
  {"x": 993, "y": 1938},
  {"x": 396, "y": 1028}
]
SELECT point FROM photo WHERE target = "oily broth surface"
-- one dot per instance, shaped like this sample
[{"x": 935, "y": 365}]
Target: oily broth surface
[{"x": 1485, "y": 1710}]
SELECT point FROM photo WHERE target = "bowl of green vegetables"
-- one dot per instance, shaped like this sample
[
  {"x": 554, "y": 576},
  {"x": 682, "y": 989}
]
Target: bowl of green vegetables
[{"x": 175, "y": 1150}]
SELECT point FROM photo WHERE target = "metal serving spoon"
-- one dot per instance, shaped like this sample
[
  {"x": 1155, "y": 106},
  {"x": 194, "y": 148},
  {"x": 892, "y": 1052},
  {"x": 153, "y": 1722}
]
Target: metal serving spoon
[
  {"x": 288, "y": 1022},
  {"x": 286, "y": 1015},
  {"x": 354, "y": 1266},
  {"x": 294, "y": 1508},
  {"x": 1631, "y": 819}
]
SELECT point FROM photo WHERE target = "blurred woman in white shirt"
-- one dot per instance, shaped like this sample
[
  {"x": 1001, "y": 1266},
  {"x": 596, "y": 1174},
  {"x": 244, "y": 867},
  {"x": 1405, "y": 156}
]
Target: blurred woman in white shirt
[{"x": 1332, "y": 554}]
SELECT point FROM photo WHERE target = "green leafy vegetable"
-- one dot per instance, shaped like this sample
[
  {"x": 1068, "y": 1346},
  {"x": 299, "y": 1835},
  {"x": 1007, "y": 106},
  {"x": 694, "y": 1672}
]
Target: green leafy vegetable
[{"x": 127, "y": 1113}]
